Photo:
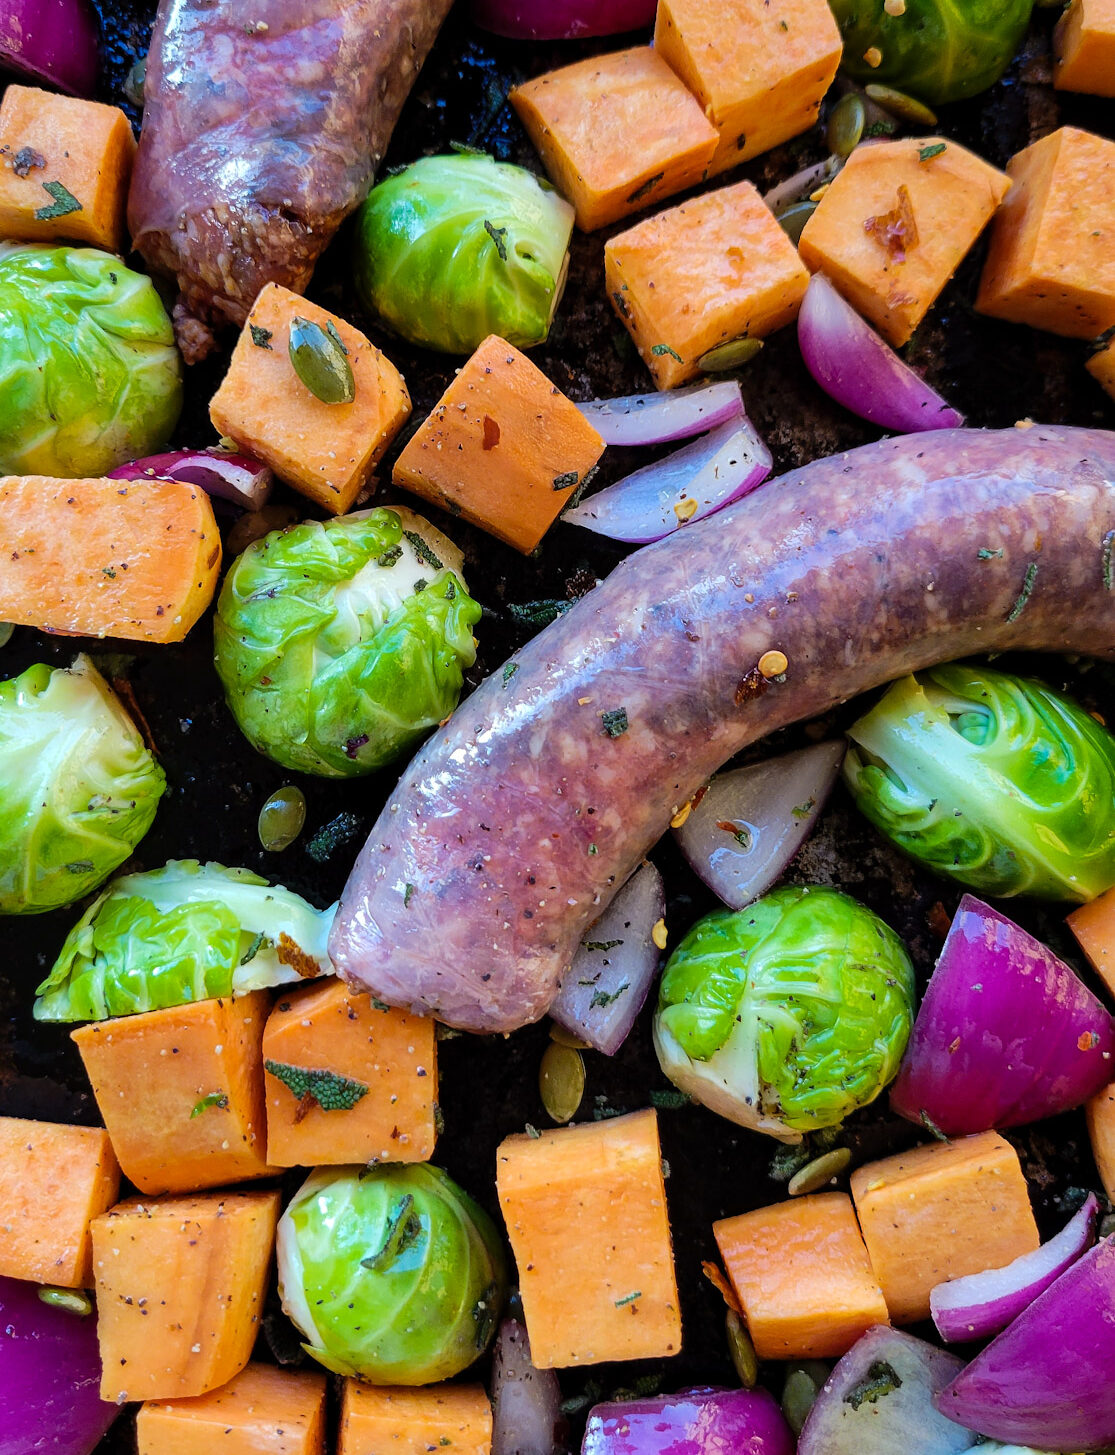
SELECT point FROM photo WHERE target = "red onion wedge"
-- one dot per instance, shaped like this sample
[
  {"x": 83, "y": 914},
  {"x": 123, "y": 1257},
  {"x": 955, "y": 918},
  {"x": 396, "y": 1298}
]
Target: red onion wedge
[
  {"x": 697, "y": 480},
  {"x": 982, "y": 1304},
  {"x": 798, "y": 187},
  {"x": 879, "y": 1401},
  {"x": 751, "y": 822},
  {"x": 656, "y": 419},
  {"x": 50, "y": 1375},
  {"x": 694, "y": 1422},
  {"x": 526, "y": 1402},
  {"x": 51, "y": 41},
  {"x": 561, "y": 19},
  {"x": 238, "y": 478},
  {"x": 859, "y": 370},
  {"x": 604, "y": 988},
  {"x": 1005, "y": 1035},
  {"x": 1046, "y": 1381}
]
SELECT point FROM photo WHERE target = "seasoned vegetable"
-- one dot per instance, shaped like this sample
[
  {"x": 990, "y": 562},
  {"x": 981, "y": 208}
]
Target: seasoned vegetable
[
  {"x": 787, "y": 1015},
  {"x": 454, "y": 248},
  {"x": 993, "y": 780},
  {"x": 185, "y": 932},
  {"x": 392, "y": 1273},
  {"x": 89, "y": 374},
  {"x": 78, "y": 788},
  {"x": 339, "y": 643},
  {"x": 263, "y": 1410}
]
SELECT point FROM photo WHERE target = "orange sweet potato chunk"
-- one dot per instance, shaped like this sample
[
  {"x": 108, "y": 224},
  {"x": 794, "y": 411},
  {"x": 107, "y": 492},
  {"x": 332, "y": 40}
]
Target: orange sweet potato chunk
[
  {"x": 940, "y": 1212},
  {"x": 759, "y": 71},
  {"x": 54, "y": 1180},
  {"x": 199, "y": 1121},
  {"x": 1101, "y": 1131},
  {"x": 1084, "y": 47},
  {"x": 503, "y": 447},
  {"x": 262, "y": 1411},
  {"x": 1052, "y": 258},
  {"x": 617, "y": 133},
  {"x": 180, "y": 1285},
  {"x": 585, "y": 1208},
  {"x": 802, "y": 1275},
  {"x": 702, "y": 273},
  {"x": 456, "y": 1418},
  {"x": 1101, "y": 366},
  {"x": 1093, "y": 923},
  {"x": 393, "y": 1055},
  {"x": 106, "y": 558},
  {"x": 895, "y": 224},
  {"x": 327, "y": 451},
  {"x": 68, "y": 159}
]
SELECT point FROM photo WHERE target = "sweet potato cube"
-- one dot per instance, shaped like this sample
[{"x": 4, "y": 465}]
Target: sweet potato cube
[
  {"x": 802, "y": 1275},
  {"x": 585, "y": 1208},
  {"x": 1101, "y": 1131},
  {"x": 1093, "y": 923},
  {"x": 180, "y": 1285},
  {"x": 262, "y": 1411},
  {"x": 702, "y": 273},
  {"x": 1084, "y": 47},
  {"x": 1051, "y": 263},
  {"x": 1101, "y": 366},
  {"x": 895, "y": 224},
  {"x": 327, "y": 451},
  {"x": 65, "y": 166},
  {"x": 617, "y": 133},
  {"x": 387, "y": 1111},
  {"x": 503, "y": 447},
  {"x": 54, "y": 1180},
  {"x": 456, "y": 1418},
  {"x": 759, "y": 71},
  {"x": 940, "y": 1212},
  {"x": 200, "y": 1120}
]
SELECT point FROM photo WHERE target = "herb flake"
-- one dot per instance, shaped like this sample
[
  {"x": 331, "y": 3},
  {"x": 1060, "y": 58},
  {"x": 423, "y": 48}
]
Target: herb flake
[
  {"x": 659, "y": 349},
  {"x": 1024, "y": 595},
  {"x": 647, "y": 187},
  {"x": 215, "y": 1098},
  {"x": 408, "y": 892},
  {"x": 64, "y": 203},
  {"x": 499, "y": 236},
  {"x": 566, "y": 481},
  {"x": 926, "y": 154},
  {"x": 629, "y": 1298},
  {"x": 389, "y": 557},
  {"x": 880, "y": 1380},
  {"x": 605, "y": 997},
  {"x": 985, "y": 553},
  {"x": 537, "y": 614},
  {"x": 261, "y": 336},
  {"x": 1108, "y": 563},
  {"x": 602, "y": 944},
  {"x": 422, "y": 550},
  {"x": 614, "y": 722},
  {"x": 330, "y": 1091},
  {"x": 509, "y": 670},
  {"x": 403, "y": 1228}
]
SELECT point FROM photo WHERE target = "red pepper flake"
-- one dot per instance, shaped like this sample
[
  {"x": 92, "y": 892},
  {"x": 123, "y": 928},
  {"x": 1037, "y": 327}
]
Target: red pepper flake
[
  {"x": 897, "y": 231},
  {"x": 491, "y": 433},
  {"x": 722, "y": 1286},
  {"x": 1088, "y": 1041}
]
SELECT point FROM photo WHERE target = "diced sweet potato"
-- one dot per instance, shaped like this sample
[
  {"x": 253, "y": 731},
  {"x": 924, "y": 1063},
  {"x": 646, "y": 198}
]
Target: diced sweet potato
[
  {"x": 200, "y": 1120},
  {"x": 388, "y": 1059},
  {"x": 54, "y": 1180},
  {"x": 759, "y": 71},
  {"x": 618, "y": 133},
  {"x": 1101, "y": 1130},
  {"x": 1093, "y": 924},
  {"x": 65, "y": 165},
  {"x": 456, "y": 1418},
  {"x": 1101, "y": 366},
  {"x": 895, "y": 224},
  {"x": 503, "y": 447},
  {"x": 1084, "y": 46},
  {"x": 802, "y": 1275},
  {"x": 1052, "y": 258},
  {"x": 327, "y": 451},
  {"x": 106, "y": 558},
  {"x": 180, "y": 1284},
  {"x": 702, "y": 273},
  {"x": 585, "y": 1208},
  {"x": 940, "y": 1212},
  {"x": 262, "y": 1411}
]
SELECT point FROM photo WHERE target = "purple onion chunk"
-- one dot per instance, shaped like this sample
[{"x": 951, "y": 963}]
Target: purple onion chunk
[
  {"x": 561, "y": 19},
  {"x": 51, "y": 41},
  {"x": 694, "y": 1422},
  {"x": 526, "y": 1401},
  {"x": 237, "y": 478},
  {"x": 658, "y": 418}
]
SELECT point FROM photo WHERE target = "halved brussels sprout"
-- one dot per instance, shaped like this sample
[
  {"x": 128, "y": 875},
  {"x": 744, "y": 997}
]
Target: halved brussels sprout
[
  {"x": 89, "y": 372},
  {"x": 995, "y": 781},
  {"x": 340, "y": 642},
  {"x": 787, "y": 1015},
  {"x": 392, "y": 1273},
  {"x": 78, "y": 788}
]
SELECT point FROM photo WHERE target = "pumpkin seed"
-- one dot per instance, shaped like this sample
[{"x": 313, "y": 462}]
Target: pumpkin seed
[
  {"x": 134, "y": 83},
  {"x": 897, "y": 103},
  {"x": 281, "y": 819},
  {"x": 815, "y": 1174},
  {"x": 845, "y": 125},
  {"x": 561, "y": 1081},
  {"x": 318, "y": 358},
  {"x": 799, "y": 1393},
  {"x": 731, "y": 355},
  {"x": 73, "y": 1300},
  {"x": 744, "y": 1359},
  {"x": 567, "y": 1038},
  {"x": 793, "y": 220},
  {"x": 6, "y": 629}
]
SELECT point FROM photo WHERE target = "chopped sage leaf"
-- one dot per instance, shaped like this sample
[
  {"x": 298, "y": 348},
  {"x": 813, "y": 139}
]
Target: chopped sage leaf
[
  {"x": 509, "y": 671},
  {"x": 985, "y": 553},
  {"x": 330, "y": 1091},
  {"x": 602, "y": 944},
  {"x": 926, "y": 154},
  {"x": 614, "y": 722},
  {"x": 879, "y": 1381},
  {"x": 408, "y": 891},
  {"x": 647, "y": 187},
  {"x": 388, "y": 557},
  {"x": 537, "y": 613},
  {"x": 566, "y": 481},
  {"x": 64, "y": 203},
  {"x": 253, "y": 949},
  {"x": 215, "y": 1098},
  {"x": 604, "y": 997},
  {"x": 629, "y": 1298},
  {"x": 422, "y": 550},
  {"x": 1024, "y": 595},
  {"x": 499, "y": 236},
  {"x": 659, "y": 349},
  {"x": 1108, "y": 547},
  {"x": 261, "y": 337}
]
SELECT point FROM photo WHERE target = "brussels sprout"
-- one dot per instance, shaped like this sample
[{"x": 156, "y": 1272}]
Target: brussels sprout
[
  {"x": 89, "y": 372},
  {"x": 995, "y": 781},
  {"x": 182, "y": 933},
  {"x": 787, "y": 1015},
  {"x": 339, "y": 643},
  {"x": 78, "y": 788},
  {"x": 452, "y": 249},
  {"x": 938, "y": 50},
  {"x": 392, "y": 1273}
]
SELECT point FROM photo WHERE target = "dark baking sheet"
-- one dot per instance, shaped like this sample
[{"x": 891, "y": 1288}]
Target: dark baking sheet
[{"x": 995, "y": 372}]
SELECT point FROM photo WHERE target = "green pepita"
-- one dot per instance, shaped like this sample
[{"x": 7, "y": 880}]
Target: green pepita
[
  {"x": 793, "y": 220},
  {"x": 845, "y": 125},
  {"x": 744, "y": 1359},
  {"x": 134, "y": 83},
  {"x": 799, "y": 1392},
  {"x": 562, "y": 1037},
  {"x": 732, "y": 355},
  {"x": 561, "y": 1081},
  {"x": 6, "y": 629},
  {"x": 281, "y": 819},
  {"x": 318, "y": 358},
  {"x": 897, "y": 103},
  {"x": 73, "y": 1300},
  {"x": 821, "y": 1170}
]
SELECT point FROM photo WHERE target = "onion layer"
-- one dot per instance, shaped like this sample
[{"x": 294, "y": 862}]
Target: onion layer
[
  {"x": 695, "y": 1422},
  {"x": 53, "y": 41},
  {"x": 561, "y": 19},
  {"x": 526, "y": 1402},
  {"x": 656, "y": 419},
  {"x": 238, "y": 478}
]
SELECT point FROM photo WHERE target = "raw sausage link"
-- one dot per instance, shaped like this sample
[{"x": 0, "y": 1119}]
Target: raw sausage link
[{"x": 516, "y": 824}]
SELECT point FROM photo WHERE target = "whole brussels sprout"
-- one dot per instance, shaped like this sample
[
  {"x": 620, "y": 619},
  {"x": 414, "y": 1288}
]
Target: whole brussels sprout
[
  {"x": 995, "y": 781},
  {"x": 787, "y": 1015},
  {"x": 78, "y": 788},
  {"x": 339, "y": 643},
  {"x": 938, "y": 50},
  {"x": 89, "y": 372},
  {"x": 392, "y": 1272},
  {"x": 452, "y": 249}
]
